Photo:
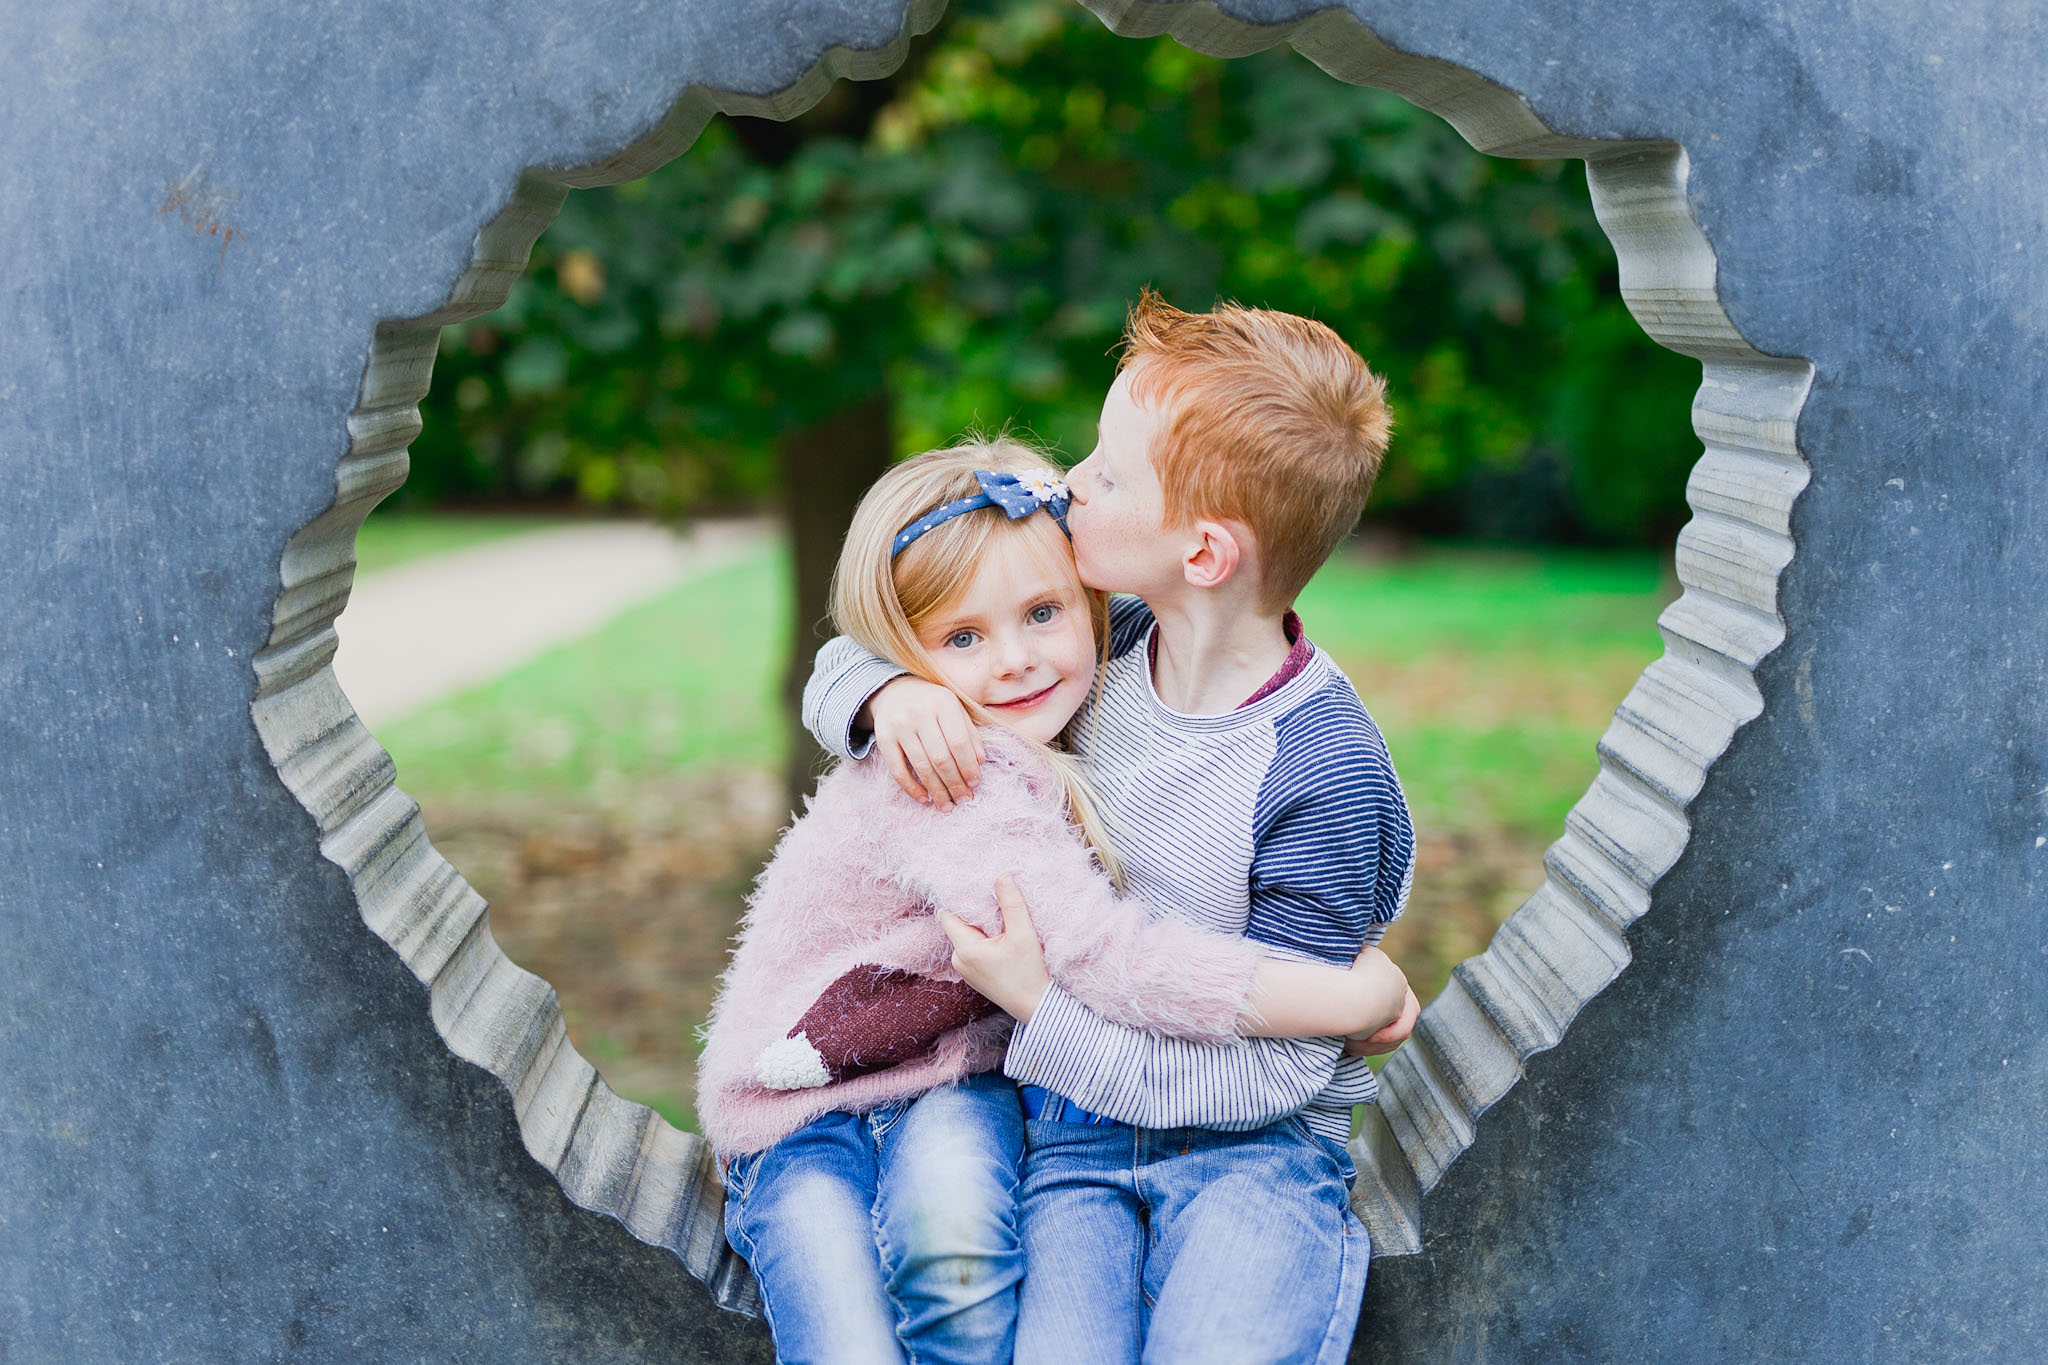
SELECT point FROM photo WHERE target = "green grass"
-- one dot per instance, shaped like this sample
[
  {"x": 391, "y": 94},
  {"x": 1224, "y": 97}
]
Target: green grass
[
  {"x": 686, "y": 679},
  {"x": 388, "y": 539},
  {"x": 1559, "y": 601},
  {"x": 1491, "y": 673},
  {"x": 1522, "y": 777}
]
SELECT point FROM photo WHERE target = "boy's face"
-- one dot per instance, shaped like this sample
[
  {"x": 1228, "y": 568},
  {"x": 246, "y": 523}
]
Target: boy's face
[{"x": 1120, "y": 543}]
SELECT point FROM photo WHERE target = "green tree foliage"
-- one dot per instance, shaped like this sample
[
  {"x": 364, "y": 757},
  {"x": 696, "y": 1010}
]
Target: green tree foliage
[{"x": 969, "y": 254}]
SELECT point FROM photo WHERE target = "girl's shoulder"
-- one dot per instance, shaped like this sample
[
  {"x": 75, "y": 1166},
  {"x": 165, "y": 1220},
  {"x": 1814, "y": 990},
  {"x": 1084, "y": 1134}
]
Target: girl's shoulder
[
  {"x": 1010, "y": 758},
  {"x": 860, "y": 784},
  {"x": 1015, "y": 774},
  {"x": 865, "y": 783}
]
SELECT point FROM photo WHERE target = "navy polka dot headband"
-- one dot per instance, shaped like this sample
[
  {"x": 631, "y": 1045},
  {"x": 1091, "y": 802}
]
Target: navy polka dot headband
[{"x": 1019, "y": 495}]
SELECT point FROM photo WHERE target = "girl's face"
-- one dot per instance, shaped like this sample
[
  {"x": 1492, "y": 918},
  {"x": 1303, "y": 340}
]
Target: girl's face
[{"x": 1017, "y": 639}]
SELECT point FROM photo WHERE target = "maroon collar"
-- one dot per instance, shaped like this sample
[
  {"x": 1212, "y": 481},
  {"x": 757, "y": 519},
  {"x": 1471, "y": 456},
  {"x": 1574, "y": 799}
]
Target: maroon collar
[{"x": 1298, "y": 655}]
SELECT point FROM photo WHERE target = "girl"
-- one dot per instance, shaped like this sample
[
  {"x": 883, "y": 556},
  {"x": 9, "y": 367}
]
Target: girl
[{"x": 850, "y": 1082}]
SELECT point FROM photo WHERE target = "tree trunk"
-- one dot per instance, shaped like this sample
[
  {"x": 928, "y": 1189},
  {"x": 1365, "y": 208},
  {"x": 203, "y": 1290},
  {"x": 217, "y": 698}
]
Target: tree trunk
[{"x": 825, "y": 469}]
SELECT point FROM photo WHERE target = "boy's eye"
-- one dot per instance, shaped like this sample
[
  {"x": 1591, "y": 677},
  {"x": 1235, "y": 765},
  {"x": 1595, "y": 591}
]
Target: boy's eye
[
  {"x": 1043, "y": 613},
  {"x": 961, "y": 639}
]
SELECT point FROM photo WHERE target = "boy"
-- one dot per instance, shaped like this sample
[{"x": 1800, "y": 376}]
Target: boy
[{"x": 1187, "y": 1202}]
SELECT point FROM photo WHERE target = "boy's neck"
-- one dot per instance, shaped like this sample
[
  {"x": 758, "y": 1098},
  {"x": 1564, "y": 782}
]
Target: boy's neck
[{"x": 1215, "y": 649}]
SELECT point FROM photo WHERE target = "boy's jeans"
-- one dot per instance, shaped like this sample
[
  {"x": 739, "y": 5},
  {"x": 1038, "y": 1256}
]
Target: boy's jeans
[
  {"x": 1184, "y": 1246},
  {"x": 890, "y": 1236}
]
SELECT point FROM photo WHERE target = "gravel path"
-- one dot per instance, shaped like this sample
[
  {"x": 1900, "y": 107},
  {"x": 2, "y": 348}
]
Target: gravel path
[{"x": 429, "y": 628}]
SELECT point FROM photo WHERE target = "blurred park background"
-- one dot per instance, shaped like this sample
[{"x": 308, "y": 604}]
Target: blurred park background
[{"x": 759, "y": 327}]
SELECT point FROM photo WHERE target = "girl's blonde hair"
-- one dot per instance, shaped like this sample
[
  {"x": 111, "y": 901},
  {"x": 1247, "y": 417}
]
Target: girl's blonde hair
[{"x": 880, "y": 601}]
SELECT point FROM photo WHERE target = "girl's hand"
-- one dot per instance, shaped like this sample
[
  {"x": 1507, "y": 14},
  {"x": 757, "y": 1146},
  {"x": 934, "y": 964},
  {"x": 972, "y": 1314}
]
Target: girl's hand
[
  {"x": 1008, "y": 967},
  {"x": 925, "y": 740}
]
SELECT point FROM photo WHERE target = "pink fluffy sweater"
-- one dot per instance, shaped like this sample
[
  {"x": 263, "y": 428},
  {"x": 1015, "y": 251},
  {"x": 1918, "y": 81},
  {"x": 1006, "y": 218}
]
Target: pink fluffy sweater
[{"x": 856, "y": 881}]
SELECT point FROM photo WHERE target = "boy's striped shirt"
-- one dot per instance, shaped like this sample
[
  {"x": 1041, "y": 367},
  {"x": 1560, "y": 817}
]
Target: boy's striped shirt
[{"x": 1282, "y": 821}]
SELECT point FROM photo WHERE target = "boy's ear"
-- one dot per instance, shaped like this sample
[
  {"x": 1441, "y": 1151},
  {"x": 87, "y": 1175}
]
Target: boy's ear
[{"x": 1218, "y": 551}]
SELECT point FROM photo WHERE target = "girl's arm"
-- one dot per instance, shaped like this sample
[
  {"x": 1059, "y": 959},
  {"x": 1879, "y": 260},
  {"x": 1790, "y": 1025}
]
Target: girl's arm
[
  {"x": 874, "y": 1016},
  {"x": 1289, "y": 999},
  {"x": 1112, "y": 954},
  {"x": 869, "y": 1019}
]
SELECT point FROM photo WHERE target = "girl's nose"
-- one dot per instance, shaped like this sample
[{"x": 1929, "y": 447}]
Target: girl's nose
[{"x": 1013, "y": 655}]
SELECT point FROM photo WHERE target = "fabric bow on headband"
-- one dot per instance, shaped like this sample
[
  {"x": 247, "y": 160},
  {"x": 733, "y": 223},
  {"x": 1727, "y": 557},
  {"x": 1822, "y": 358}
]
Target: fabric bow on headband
[{"x": 1019, "y": 495}]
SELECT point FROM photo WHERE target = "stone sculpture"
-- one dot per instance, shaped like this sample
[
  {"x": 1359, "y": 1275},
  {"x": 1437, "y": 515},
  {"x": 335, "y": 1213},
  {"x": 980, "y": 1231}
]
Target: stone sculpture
[{"x": 270, "y": 1090}]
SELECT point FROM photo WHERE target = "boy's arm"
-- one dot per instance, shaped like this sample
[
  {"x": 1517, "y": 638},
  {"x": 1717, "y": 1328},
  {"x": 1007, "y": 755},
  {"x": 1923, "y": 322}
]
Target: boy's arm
[
  {"x": 1153, "y": 1081},
  {"x": 1332, "y": 855},
  {"x": 843, "y": 677},
  {"x": 1333, "y": 847},
  {"x": 1142, "y": 1078},
  {"x": 1309, "y": 1000},
  {"x": 857, "y": 703},
  {"x": 1393, "y": 1035}
]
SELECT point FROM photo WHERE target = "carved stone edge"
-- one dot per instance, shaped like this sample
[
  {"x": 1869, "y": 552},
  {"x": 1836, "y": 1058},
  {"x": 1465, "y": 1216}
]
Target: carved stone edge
[
  {"x": 1566, "y": 943},
  {"x": 611, "y": 1155}
]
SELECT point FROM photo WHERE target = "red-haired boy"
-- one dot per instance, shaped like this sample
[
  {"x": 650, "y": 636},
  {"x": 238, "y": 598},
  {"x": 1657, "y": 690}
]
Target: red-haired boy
[{"x": 1189, "y": 1202}]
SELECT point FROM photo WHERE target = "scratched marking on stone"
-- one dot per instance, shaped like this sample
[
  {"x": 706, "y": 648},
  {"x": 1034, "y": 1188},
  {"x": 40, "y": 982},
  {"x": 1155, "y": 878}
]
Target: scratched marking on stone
[{"x": 204, "y": 209}]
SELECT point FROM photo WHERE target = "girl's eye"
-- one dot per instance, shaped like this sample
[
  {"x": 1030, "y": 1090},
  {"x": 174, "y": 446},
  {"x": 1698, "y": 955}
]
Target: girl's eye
[
  {"x": 1043, "y": 613},
  {"x": 961, "y": 639}
]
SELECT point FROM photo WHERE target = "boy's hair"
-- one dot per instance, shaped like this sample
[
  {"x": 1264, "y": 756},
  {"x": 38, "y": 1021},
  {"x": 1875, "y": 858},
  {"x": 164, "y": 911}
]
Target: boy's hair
[
  {"x": 1272, "y": 422},
  {"x": 880, "y": 598}
]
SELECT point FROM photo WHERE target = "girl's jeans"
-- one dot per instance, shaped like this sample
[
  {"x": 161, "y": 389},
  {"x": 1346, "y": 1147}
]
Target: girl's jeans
[
  {"x": 1185, "y": 1246},
  {"x": 890, "y": 1236}
]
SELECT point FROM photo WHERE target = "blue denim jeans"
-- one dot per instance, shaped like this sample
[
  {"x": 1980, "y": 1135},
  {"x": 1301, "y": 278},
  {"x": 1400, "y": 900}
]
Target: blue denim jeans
[
  {"x": 890, "y": 1236},
  {"x": 1184, "y": 1246}
]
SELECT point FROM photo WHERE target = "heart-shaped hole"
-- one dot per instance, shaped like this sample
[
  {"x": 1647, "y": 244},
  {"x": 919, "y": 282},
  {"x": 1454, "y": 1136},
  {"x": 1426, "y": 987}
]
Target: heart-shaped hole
[{"x": 1518, "y": 996}]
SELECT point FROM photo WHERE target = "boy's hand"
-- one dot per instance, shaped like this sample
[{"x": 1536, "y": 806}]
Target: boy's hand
[
  {"x": 1390, "y": 1037},
  {"x": 1009, "y": 967},
  {"x": 925, "y": 740}
]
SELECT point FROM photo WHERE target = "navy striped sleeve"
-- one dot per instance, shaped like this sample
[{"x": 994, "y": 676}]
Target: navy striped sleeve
[
  {"x": 1333, "y": 848},
  {"x": 1129, "y": 619}
]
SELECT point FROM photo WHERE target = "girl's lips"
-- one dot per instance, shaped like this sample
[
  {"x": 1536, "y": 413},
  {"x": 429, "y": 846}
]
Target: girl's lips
[{"x": 1020, "y": 703}]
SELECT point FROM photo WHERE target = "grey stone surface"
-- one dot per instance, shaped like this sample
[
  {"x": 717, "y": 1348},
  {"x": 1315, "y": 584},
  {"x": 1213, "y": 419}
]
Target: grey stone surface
[
  {"x": 268, "y": 1090},
  {"x": 228, "y": 1128}
]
